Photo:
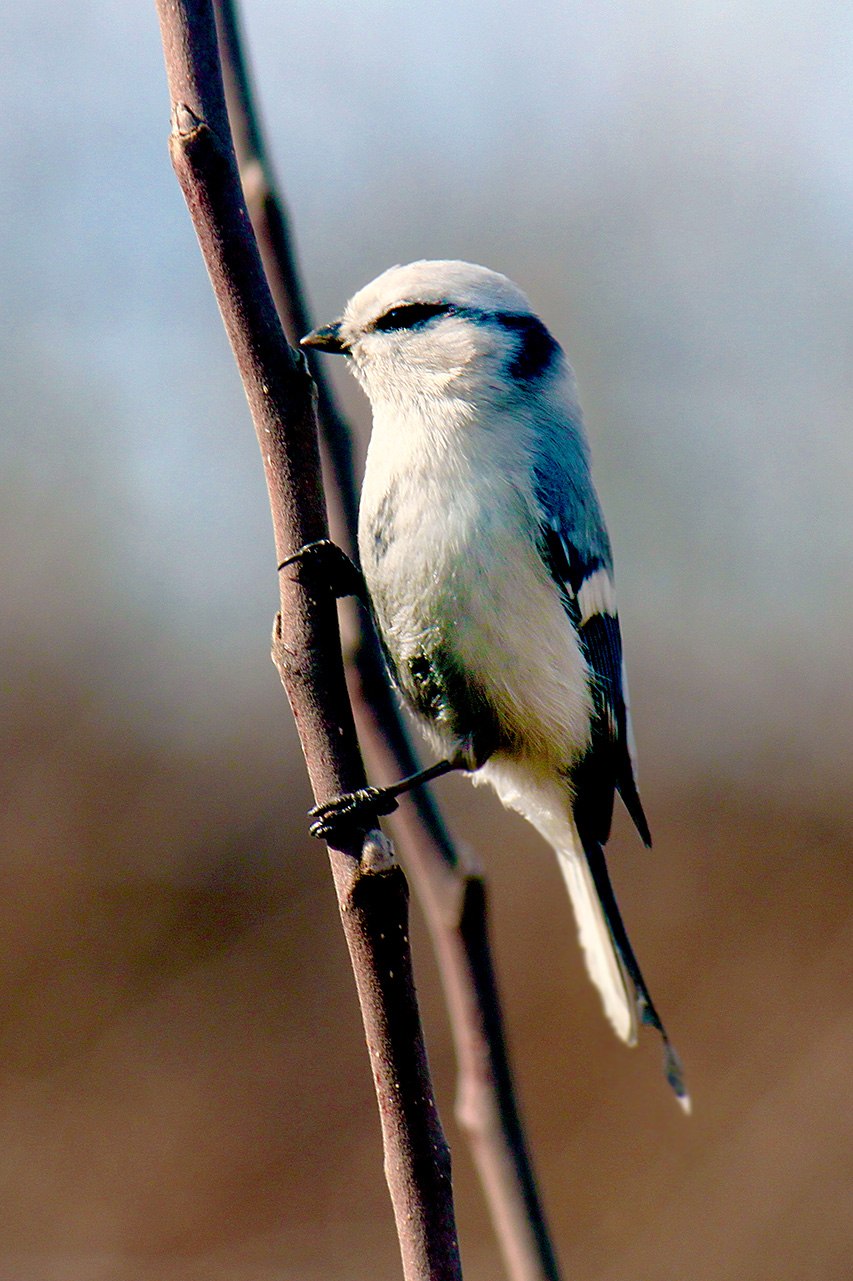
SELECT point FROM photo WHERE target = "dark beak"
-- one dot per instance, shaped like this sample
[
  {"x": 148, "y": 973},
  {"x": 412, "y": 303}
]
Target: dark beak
[{"x": 326, "y": 339}]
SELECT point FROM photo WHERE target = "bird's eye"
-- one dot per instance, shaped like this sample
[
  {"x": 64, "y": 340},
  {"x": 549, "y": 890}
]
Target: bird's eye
[{"x": 410, "y": 314}]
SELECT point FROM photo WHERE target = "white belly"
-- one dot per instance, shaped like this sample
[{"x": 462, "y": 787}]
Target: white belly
[{"x": 450, "y": 559}]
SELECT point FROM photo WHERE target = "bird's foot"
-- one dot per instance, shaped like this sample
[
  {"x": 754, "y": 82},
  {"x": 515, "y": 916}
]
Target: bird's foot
[
  {"x": 351, "y": 812},
  {"x": 358, "y": 811},
  {"x": 325, "y": 562}
]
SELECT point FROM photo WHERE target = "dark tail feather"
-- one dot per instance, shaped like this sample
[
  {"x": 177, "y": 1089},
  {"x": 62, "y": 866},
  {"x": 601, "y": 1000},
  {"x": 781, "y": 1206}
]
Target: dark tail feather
[
  {"x": 627, "y": 787},
  {"x": 645, "y": 1004}
]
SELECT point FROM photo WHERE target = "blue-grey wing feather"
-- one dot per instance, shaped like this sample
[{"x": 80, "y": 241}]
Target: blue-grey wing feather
[{"x": 575, "y": 546}]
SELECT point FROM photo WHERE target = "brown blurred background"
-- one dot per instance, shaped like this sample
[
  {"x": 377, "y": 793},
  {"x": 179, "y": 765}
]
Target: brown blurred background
[{"x": 184, "y": 1091}]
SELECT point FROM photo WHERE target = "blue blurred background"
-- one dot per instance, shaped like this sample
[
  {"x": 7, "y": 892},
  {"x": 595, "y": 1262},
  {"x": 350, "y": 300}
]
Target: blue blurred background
[{"x": 672, "y": 187}]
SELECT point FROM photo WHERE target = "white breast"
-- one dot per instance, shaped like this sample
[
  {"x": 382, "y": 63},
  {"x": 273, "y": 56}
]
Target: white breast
[{"x": 447, "y": 531}]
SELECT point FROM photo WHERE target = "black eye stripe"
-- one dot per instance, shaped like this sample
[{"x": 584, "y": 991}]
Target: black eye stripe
[
  {"x": 409, "y": 314},
  {"x": 536, "y": 348},
  {"x": 535, "y": 351}
]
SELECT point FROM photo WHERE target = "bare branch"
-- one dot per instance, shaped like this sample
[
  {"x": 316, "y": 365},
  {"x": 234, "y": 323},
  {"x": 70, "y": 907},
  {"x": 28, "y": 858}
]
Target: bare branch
[
  {"x": 371, "y": 889},
  {"x": 453, "y": 894}
]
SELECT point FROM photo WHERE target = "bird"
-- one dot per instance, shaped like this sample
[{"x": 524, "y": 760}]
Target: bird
[{"x": 489, "y": 574}]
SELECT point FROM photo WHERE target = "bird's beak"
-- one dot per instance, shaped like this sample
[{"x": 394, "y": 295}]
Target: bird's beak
[{"x": 326, "y": 339}]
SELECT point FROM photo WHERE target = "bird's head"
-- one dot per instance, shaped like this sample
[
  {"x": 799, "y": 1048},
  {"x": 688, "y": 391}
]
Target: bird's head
[{"x": 439, "y": 328}]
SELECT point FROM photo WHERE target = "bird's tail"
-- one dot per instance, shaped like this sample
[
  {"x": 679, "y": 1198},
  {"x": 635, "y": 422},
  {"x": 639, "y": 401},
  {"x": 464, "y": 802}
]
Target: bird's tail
[
  {"x": 609, "y": 957},
  {"x": 603, "y": 963}
]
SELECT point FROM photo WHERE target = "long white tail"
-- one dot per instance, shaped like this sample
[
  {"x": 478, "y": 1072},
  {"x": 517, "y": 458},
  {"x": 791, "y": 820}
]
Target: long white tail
[
  {"x": 602, "y": 961},
  {"x": 545, "y": 805}
]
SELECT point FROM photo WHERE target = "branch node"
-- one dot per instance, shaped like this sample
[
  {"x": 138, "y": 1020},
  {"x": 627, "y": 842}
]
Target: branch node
[
  {"x": 185, "y": 122},
  {"x": 302, "y": 363},
  {"x": 377, "y": 854},
  {"x": 471, "y": 865},
  {"x": 254, "y": 180}
]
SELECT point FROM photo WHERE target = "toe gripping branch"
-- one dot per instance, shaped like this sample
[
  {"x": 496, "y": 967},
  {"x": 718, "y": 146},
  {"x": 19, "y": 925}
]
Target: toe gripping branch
[
  {"x": 359, "y": 811},
  {"x": 324, "y": 563},
  {"x": 352, "y": 812}
]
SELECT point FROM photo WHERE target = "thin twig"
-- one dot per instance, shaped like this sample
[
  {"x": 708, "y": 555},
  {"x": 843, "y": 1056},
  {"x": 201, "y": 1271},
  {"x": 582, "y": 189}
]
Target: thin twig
[
  {"x": 371, "y": 888},
  {"x": 451, "y": 890}
]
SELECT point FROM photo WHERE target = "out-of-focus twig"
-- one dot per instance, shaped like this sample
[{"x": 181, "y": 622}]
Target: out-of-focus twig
[
  {"x": 370, "y": 885},
  {"x": 451, "y": 890},
  {"x": 269, "y": 220}
]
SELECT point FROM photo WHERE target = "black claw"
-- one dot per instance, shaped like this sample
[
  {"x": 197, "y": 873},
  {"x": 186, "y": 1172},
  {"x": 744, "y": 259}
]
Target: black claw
[
  {"x": 358, "y": 811},
  {"x": 326, "y": 563},
  {"x": 352, "y": 812}
]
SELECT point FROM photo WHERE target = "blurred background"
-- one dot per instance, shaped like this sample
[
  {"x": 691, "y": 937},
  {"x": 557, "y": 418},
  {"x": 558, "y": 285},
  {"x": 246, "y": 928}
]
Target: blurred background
[{"x": 184, "y": 1091}]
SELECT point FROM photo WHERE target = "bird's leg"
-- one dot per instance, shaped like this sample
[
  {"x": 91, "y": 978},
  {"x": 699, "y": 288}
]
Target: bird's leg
[
  {"x": 326, "y": 563},
  {"x": 360, "y": 810}
]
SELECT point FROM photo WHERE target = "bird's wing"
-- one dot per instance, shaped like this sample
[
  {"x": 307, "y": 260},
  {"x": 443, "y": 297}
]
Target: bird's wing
[{"x": 576, "y": 550}]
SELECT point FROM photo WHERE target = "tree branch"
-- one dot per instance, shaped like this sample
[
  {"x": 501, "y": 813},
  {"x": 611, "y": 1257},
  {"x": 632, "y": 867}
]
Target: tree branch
[
  {"x": 451, "y": 890},
  {"x": 370, "y": 886}
]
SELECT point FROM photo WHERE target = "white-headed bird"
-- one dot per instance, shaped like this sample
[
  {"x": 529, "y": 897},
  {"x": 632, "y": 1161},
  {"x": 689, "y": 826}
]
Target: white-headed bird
[{"x": 490, "y": 575}]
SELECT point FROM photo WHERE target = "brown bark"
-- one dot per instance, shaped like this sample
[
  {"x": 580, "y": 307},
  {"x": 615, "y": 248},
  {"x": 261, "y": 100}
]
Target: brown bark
[{"x": 371, "y": 888}]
